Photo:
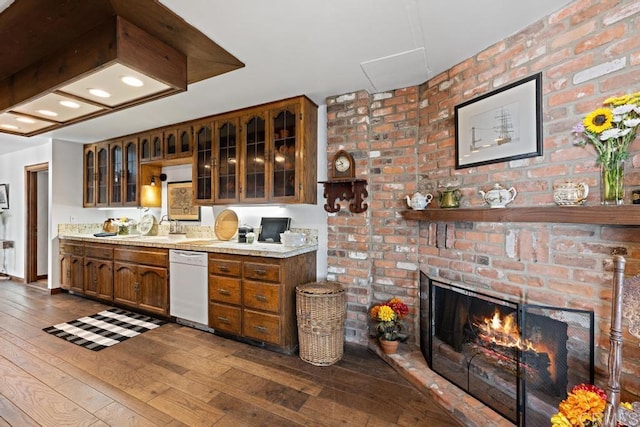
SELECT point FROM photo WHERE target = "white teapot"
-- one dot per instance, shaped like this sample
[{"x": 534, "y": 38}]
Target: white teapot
[
  {"x": 499, "y": 197},
  {"x": 418, "y": 201}
]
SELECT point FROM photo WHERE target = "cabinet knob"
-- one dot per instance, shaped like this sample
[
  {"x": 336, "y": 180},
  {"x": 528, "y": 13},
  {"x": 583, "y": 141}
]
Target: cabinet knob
[
  {"x": 224, "y": 292},
  {"x": 223, "y": 320},
  {"x": 260, "y": 272},
  {"x": 261, "y": 298},
  {"x": 223, "y": 269}
]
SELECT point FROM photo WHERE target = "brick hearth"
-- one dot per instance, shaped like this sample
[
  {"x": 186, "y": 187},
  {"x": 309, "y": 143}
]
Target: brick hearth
[{"x": 410, "y": 363}]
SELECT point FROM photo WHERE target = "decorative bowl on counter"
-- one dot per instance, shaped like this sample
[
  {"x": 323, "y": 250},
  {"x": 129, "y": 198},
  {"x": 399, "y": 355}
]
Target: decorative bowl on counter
[{"x": 293, "y": 239}]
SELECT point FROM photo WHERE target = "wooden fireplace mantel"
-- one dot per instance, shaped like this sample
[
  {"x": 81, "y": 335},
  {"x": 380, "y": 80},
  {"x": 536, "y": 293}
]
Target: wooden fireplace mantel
[{"x": 603, "y": 215}]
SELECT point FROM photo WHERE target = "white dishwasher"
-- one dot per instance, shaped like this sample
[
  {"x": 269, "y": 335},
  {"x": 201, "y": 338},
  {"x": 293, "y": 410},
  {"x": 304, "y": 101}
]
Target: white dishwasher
[{"x": 188, "y": 287}]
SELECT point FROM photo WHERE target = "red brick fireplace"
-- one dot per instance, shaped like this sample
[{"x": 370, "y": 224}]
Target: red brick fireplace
[{"x": 403, "y": 141}]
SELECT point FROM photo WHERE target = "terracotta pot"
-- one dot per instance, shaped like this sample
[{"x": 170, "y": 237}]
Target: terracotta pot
[{"x": 388, "y": 347}]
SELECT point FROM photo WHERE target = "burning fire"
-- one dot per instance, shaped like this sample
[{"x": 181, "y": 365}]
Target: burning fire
[{"x": 503, "y": 332}]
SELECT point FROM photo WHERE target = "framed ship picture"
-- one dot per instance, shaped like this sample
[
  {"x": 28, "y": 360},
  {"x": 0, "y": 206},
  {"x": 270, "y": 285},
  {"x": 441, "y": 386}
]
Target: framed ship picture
[
  {"x": 180, "y": 202},
  {"x": 500, "y": 126}
]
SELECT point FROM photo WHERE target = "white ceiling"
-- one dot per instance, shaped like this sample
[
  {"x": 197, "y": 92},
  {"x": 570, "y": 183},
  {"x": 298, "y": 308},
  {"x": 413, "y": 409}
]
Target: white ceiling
[{"x": 318, "y": 49}]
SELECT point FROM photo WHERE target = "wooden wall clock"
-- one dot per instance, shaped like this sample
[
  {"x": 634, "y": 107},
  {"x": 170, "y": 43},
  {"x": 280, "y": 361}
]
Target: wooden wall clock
[{"x": 343, "y": 165}]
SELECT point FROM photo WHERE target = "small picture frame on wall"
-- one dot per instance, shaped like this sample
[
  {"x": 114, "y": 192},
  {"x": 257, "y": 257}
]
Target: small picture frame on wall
[
  {"x": 180, "y": 202},
  {"x": 500, "y": 126},
  {"x": 4, "y": 196}
]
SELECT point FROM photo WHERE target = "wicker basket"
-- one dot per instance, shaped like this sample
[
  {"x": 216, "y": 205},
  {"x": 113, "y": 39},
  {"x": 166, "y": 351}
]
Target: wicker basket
[{"x": 321, "y": 311}]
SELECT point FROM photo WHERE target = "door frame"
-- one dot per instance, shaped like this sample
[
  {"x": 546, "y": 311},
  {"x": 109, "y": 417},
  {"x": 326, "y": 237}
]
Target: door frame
[{"x": 31, "y": 238}]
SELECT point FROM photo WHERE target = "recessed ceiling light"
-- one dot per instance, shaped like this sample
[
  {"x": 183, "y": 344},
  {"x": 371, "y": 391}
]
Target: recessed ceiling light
[
  {"x": 69, "y": 104},
  {"x": 100, "y": 93},
  {"x": 6, "y": 126},
  {"x": 48, "y": 113},
  {"x": 132, "y": 81},
  {"x": 25, "y": 120}
]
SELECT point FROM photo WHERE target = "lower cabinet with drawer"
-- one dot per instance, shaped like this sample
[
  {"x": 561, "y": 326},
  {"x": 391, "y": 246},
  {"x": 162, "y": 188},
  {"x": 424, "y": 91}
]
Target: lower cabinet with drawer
[
  {"x": 98, "y": 271},
  {"x": 141, "y": 279},
  {"x": 253, "y": 298}
]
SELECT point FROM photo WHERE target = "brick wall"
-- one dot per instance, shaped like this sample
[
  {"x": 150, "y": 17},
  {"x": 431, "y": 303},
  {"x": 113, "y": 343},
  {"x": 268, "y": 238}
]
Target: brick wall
[{"x": 404, "y": 141}]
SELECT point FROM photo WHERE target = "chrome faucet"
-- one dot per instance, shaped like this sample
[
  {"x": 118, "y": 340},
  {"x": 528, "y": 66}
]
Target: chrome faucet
[
  {"x": 174, "y": 226},
  {"x": 164, "y": 217}
]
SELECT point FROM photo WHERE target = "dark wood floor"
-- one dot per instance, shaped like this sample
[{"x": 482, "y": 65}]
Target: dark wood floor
[{"x": 176, "y": 375}]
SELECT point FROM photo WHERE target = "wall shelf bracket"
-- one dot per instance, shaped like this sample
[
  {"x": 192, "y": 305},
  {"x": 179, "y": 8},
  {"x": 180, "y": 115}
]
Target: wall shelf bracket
[{"x": 354, "y": 190}]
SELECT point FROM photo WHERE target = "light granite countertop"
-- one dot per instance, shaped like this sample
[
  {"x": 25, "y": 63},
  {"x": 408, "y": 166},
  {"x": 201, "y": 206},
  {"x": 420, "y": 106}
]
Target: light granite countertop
[{"x": 200, "y": 244}]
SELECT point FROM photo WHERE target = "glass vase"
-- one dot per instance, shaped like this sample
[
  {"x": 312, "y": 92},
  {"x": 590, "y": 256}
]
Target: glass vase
[{"x": 612, "y": 182}]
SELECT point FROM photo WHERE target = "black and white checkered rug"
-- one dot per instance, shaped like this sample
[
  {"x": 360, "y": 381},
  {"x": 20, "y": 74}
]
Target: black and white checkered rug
[{"x": 104, "y": 329}]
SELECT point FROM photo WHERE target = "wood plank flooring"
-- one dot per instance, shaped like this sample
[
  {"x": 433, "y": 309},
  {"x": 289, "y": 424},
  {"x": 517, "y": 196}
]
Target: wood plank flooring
[{"x": 177, "y": 376}]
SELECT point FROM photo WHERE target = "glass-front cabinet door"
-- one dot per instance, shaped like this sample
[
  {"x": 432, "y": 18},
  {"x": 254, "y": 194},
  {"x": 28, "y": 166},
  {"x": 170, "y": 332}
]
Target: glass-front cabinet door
[
  {"x": 170, "y": 144},
  {"x": 130, "y": 149},
  {"x": 90, "y": 175},
  {"x": 102, "y": 170},
  {"x": 226, "y": 177},
  {"x": 185, "y": 141},
  {"x": 203, "y": 163},
  {"x": 254, "y": 183},
  {"x": 157, "y": 143},
  {"x": 115, "y": 173},
  {"x": 284, "y": 168}
]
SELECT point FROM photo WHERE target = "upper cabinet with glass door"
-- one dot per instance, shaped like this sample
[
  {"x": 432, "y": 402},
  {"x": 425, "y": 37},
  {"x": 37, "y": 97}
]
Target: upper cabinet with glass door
[
  {"x": 130, "y": 158},
  {"x": 253, "y": 185},
  {"x": 202, "y": 169},
  {"x": 96, "y": 175},
  {"x": 226, "y": 176},
  {"x": 292, "y": 152}
]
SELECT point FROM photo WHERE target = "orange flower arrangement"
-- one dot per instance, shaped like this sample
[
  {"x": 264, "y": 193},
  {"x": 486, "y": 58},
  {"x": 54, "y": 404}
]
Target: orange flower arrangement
[
  {"x": 388, "y": 316},
  {"x": 583, "y": 407}
]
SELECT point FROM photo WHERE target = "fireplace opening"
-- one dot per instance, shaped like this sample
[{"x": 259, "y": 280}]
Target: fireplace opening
[{"x": 519, "y": 359}]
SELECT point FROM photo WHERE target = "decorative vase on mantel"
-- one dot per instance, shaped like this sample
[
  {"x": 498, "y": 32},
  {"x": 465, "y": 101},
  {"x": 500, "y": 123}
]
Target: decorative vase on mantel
[
  {"x": 612, "y": 182},
  {"x": 388, "y": 347}
]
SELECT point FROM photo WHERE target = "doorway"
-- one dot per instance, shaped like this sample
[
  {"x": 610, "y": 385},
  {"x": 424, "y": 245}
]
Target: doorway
[{"x": 37, "y": 209}]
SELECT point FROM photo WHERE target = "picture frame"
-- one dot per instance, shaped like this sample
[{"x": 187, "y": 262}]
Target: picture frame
[
  {"x": 500, "y": 126},
  {"x": 180, "y": 202},
  {"x": 4, "y": 196}
]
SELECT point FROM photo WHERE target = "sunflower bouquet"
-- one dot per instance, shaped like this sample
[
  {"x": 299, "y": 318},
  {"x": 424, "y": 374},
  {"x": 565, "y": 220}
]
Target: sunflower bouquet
[
  {"x": 388, "y": 317},
  {"x": 611, "y": 129}
]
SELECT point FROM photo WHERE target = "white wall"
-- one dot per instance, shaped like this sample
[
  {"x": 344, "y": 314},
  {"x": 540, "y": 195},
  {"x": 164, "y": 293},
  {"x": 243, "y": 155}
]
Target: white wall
[{"x": 12, "y": 172}]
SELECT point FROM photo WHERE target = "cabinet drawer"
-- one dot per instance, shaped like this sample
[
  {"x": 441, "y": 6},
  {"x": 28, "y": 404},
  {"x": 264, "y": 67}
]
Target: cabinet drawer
[
  {"x": 224, "y": 289},
  {"x": 98, "y": 251},
  {"x": 224, "y": 267},
  {"x": 157, "y": 257},
  {"x": 225, "y": 318},
  {"x": 72, "y": 248},
  {"x": 261, "y": 296},
  {"x": 261, "y": 326},
  {"x": 262, "y": 272}
]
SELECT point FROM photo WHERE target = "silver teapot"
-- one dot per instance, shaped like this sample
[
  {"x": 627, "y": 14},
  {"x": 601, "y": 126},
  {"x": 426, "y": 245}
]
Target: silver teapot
[{"x": 498, "y": 197}]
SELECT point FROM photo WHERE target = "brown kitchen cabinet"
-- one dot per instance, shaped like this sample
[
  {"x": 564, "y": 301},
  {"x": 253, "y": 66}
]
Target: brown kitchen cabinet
[
  {"x": 72, "y": 266},
  {"x": 178, "y": 143},
  {"x": 98, "y": 271},
  {"x": 253, "y": 298},
  {"x": 202, "y": 172},
  {"x": 141, "y": 279},
  {"x": 279, "y": 152},
  {"x": 96, "y": 175},
  {"x": 226, "y": 176}
]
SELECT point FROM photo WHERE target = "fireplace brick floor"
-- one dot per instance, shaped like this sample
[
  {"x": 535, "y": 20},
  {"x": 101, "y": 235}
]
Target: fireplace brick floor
[{"x": 410, "y": 363}]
